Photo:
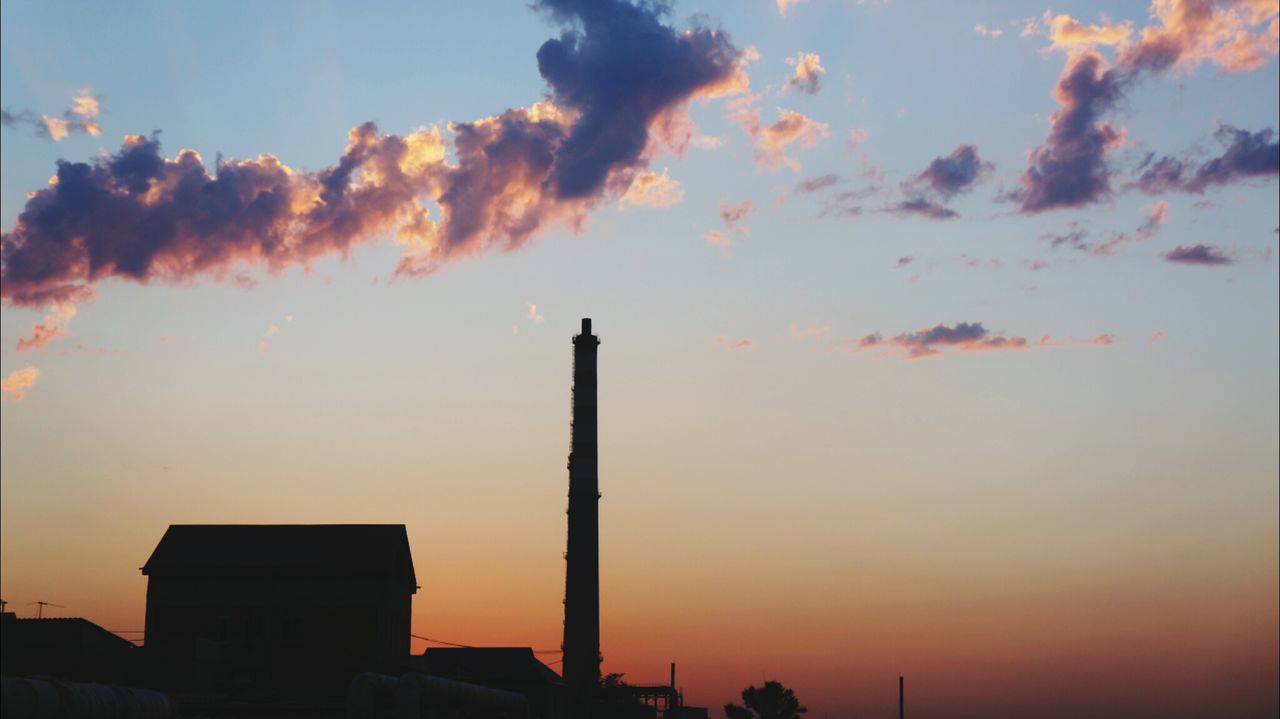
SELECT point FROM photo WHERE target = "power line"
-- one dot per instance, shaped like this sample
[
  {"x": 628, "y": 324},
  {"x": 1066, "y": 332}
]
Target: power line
[{"x": 472, "y": 646}]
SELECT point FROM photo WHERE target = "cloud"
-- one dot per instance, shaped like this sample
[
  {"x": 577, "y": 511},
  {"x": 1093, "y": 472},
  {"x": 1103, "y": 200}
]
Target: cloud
[
  {"x": 1248, "y": 155},
  {"x": 771, "y": 141},
  {"x": 929, "y": 342},
  {"x": 904, "y": 261},
  {"x": 808, "y": 73},
  {"x": 1235, "y": 35},
  {"x": 921, "y": 207},
  {"x": 985, "y": 31},
  {"x": 1156, "y": 337},
  {"x": 652, "y": 190},
  {"x": 732, "y": 345},
  {"x": 533, "y": 315},
  {"x": 1067, "y": 33},
  {"x": 1203, "y": 255},
  {"x": 19, "y": 381},
  {"x": 139, "y": 216},
  {"x": 855, "y": 138},
  {"x": 50, "y": 328},
  {"x": 707, "y": 142},
  {"x": 1069, "y": 169},
  {"x": 81, "y": 117},
  {"x": 952, "y": 175},
  {"x": 1102, "y": 340},
  {"x": 1157, "y": 215},
  {"x": 1073, "y": 238},
  {"x": 733, "y": 217},
  {"x": 816, "y": 183},
  {"x": 784, "y": 6}
]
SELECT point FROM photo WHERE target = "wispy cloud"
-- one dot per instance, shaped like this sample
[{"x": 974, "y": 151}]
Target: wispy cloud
[
  {"x": 81, "y": 117},
  {"x": 732, "y": 345},
  {"x": 733, "y": 216},
  {"x": 50, "y": 328},
  {"x": 652, "y": 190}
]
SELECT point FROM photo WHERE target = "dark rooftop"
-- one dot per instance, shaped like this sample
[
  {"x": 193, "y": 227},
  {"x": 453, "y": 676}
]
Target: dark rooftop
[
  {"x": 356, "y": 548},
  {"x": 488, "y": 665}
]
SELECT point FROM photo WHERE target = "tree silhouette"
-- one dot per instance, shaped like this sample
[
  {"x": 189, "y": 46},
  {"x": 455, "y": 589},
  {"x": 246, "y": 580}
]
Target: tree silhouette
[{"x": 771, "y": 701}]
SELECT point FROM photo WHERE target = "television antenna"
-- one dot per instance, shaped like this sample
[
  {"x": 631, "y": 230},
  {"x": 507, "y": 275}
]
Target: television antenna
[{"x": 40, "y": 607}]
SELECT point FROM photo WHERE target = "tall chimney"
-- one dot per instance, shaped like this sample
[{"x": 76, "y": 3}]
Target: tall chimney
[{"x": 582, "y": 571}]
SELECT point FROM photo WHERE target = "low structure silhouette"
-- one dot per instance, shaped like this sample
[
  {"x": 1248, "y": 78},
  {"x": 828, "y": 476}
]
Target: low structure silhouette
[{"x": 277, "y": 609}]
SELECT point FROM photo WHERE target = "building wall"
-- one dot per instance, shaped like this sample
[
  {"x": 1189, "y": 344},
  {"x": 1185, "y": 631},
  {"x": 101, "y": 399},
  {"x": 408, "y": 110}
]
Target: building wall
[{"x": 237, "y": 631}]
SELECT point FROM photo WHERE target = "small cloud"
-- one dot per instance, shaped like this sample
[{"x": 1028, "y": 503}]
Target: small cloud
[
  {"x": 816, "y": 183},
  {"x": 533, "y": 315},
  {"x": 707, "y": 142},
  {"x": 1197, "y": 255},
  {"x": 784, "y": 6},
  {"x": 985, "y": 31},
  {"x": 855, "y": 138},
  {"x": 1156, "y": 337},
  {"x": 904, "y": 261},
  {"x": 771, "y": 141},
  {"x": 808, "y": 73},
  {"x": 652, "y": 190},
  {"x": 1069, "y": 34},
  {"x": 81, "y": 117},
  {"x": 18, "y": 382},
  {"x": 732, "y": 345},
  {"x": 733, "y": 217},
  {"x": 921, "y": 207}
]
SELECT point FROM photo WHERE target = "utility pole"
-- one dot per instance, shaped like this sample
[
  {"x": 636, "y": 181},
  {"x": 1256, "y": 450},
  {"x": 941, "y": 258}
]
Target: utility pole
[
  {"x": 40, "y": 607},
  {"x": 901, "y": 706}
]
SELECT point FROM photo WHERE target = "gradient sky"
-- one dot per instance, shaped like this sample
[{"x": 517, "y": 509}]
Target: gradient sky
[{"x": 954, "y": 358}]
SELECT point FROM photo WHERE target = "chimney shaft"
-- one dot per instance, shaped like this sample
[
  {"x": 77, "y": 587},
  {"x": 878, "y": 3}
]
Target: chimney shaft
[{"x": 582, "y": 570}]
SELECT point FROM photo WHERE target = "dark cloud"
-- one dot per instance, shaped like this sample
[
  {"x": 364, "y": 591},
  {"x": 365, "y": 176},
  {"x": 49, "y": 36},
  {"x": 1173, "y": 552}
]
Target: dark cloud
[
  {"x": 621, "y": 69},
  {"x": 1197, "y": 255},
  {"x": 817, "y": 183},
  {"x": 954, "y": 174},
  {"x": 617, "y": 75},
  {"x": 969, "y": 336},
  {"x": 1075, "y": 239},
  {"x": 921, "y": 207},
  {"x": 1070, "y": 168},
  {"x": 1248, "y": 155}
]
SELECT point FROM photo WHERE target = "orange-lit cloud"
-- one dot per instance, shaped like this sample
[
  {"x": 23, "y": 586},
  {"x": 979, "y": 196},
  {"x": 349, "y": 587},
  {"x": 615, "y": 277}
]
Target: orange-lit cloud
[
  {"x": 80, "y": 117},
  {"x": 533, "y": 315},
  {"x": 1235, "y": 35},
  {"x": 1069, "y": 34},
  {"x": 1156, "y": 337},
  {"x": 19, "y": 381},
  {"x": 784, "y": 6},
  {"x": 652, "y": 190},
  {"x": 508, "y": 176},
  {"x": 50, "y": 328},
  {"x": 771, "y": 141},
  {"x": 985, "y": 31},
  {"x": 808, "y": 73}
]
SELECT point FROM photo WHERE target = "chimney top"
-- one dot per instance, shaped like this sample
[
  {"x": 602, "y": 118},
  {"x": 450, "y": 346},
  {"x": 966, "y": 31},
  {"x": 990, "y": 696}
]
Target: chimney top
[{"x": 586, "y": 325}]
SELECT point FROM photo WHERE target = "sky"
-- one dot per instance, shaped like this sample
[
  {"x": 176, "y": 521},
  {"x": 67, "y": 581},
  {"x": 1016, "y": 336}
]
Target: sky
[{"x": 937, "y": 339}]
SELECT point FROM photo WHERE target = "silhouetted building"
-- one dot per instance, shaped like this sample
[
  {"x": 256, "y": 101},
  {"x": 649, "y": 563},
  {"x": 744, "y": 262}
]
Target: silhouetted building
[
  {"x": 514, "y": 669},
  {"x": 582, "y": 569},
  {"x": 277, "y": 609},
  {"x": 63, "y": 648}
]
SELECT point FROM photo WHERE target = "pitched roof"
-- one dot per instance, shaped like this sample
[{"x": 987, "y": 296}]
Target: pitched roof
[
  {"x": 361, "y": 548},
  {"x": 484, "y": 665}
]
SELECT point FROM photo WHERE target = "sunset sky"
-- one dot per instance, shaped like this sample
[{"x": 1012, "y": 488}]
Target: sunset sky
[{"x": 937, "y": 339}]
